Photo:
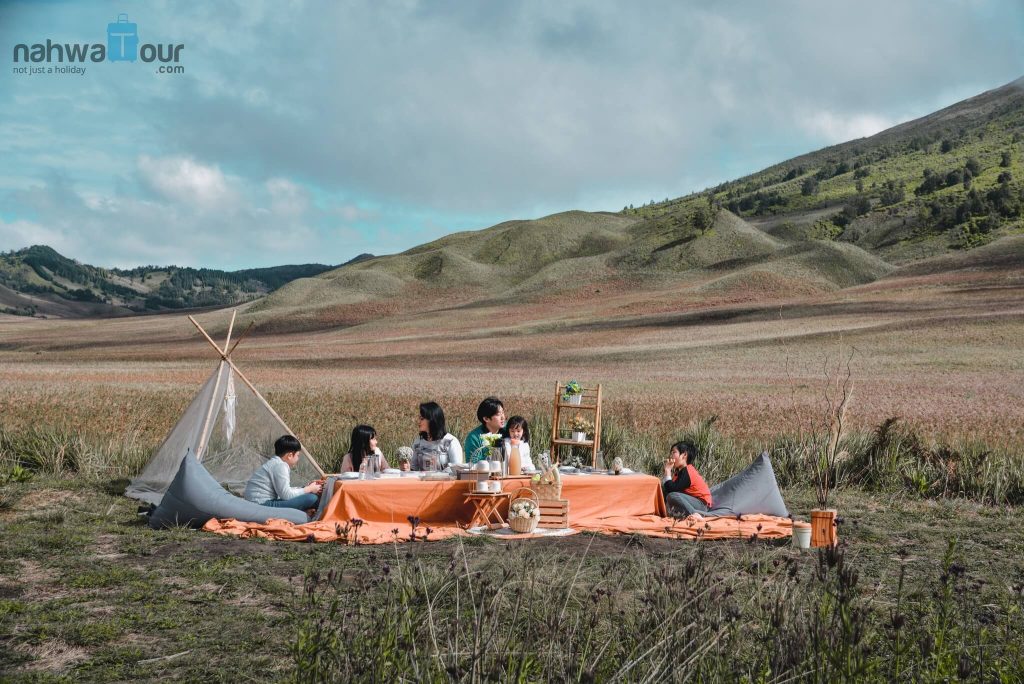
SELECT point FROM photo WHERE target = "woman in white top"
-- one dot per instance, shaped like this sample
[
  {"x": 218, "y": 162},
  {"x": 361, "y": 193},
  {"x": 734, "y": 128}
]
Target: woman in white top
[
  {"x": 363, "y": 449},
  {"x": 435, "y": 448},
  {"x": 517, "y": 431}
]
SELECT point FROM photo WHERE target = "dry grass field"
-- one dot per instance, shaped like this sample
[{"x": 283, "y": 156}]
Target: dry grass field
[
  {"x": 941, "y": 351},
  {"x": 927, "y": 585}
]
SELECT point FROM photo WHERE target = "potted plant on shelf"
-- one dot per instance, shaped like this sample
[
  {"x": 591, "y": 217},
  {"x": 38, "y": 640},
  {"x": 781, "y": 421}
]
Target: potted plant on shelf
[
  {"x": 573, "y": 393},
  {"x": 581, "y": 428}
]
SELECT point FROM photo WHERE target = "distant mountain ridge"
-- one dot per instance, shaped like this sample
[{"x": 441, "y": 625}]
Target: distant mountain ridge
[{"x": 38, "y": 280}]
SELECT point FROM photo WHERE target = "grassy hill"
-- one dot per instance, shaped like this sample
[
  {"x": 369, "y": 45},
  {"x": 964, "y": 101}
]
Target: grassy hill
[
  {"x": 38, "y": 280},
  {"x": 949, "y": 181},
  {"x": 846, "y": 215}
]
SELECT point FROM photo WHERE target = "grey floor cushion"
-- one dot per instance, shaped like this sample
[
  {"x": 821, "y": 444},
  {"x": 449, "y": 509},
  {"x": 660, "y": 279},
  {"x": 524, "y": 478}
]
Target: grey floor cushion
[
  {"x": 195, "y": 496},
  {"x": 755, "y": 490}
]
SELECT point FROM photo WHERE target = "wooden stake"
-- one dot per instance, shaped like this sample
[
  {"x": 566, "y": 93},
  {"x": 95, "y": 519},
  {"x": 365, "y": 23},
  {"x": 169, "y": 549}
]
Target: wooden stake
[{"x": 240, "y": 338}]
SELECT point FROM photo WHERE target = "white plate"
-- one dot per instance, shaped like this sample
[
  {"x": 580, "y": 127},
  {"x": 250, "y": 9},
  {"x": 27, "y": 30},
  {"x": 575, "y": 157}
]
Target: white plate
[
  {"x": 566, "y": 469},
  {"x": 392, "y": 470},
  {"x": 349, "y": 476}
]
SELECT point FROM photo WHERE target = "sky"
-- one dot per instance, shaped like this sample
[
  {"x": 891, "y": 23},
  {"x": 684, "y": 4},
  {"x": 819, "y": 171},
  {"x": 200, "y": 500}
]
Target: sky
[{"x": 298, "y": 132}]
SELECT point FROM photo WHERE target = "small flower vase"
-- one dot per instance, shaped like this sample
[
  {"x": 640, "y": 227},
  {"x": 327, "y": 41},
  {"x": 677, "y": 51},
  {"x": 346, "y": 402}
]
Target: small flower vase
[
  {"x": 579, "y": 436},
  {"x": 575, "y": 399}
]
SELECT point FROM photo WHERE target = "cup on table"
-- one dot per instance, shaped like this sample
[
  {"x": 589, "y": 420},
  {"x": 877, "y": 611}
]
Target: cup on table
[
  {"x": 495, "y": 486},
  {"x": 483, "y": 486},
  {"x": 495, "y": 466}
]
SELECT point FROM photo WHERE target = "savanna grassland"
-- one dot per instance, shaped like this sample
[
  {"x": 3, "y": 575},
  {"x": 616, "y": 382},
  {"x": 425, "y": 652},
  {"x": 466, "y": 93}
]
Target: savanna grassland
[
  {"x": 928, "y": 583},
  {"x": 727, "y": 316}
]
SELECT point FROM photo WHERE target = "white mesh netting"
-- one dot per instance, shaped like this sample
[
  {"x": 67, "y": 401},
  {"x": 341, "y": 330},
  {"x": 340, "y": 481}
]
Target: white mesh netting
[{"x": 240, "y": 436}]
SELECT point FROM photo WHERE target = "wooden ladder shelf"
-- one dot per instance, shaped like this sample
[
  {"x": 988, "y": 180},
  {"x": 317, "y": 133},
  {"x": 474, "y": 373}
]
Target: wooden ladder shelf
[{"x": 590, "y": 402}]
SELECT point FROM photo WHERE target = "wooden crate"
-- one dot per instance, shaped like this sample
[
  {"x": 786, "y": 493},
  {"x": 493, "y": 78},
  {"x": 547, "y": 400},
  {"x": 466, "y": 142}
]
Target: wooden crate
[{"x": 554, "y": 513}]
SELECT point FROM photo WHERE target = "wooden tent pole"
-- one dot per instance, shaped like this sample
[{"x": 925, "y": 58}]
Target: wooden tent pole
[
  {"x": 208, "y": 339},
  {"x": 201, "y": 449},
  {"x": 273, "y": 413},
  {"x": 240, "y": 338},
  {"x": 231, "y": 326}
]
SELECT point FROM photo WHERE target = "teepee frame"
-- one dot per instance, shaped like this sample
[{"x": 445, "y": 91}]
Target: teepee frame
[{"x": 225, "y": 357}]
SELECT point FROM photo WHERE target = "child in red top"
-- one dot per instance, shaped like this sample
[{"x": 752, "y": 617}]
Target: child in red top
[{"x": 686, "y": 493}]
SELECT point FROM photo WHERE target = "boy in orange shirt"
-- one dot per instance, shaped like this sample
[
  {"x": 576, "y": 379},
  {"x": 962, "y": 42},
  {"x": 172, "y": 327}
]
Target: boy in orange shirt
[{"x": 686, "y": 493}]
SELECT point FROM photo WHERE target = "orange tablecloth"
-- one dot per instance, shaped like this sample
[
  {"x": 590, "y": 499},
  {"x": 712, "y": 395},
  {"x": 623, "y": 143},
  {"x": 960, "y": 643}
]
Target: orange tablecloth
[
  {"x": 602, "y": 503},
  {"x": 591, "y": 497}
]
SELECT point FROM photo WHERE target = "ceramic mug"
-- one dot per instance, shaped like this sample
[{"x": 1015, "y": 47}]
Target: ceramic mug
[
  {"x": 495, "y": 466},
  {"x": 495, "y": 486},
  {"x": 483, "y": 486}
]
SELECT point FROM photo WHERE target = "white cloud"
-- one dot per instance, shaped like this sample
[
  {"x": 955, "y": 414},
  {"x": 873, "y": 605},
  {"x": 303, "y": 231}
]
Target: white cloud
[
  {"x": 353, "y": 212},
  {"x": 287, "y": 199},
  {"x": 21, "y": 233},
  {"x": 186, "y": 181},
  {"x": 834, "y": 127}
]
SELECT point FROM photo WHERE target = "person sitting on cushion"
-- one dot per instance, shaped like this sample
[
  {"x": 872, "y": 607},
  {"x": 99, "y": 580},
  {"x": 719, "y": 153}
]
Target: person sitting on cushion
[
  {"x": 271, "y": 486},
  {"x": 686, "y": 493},
  {"x": 491, "y": 414}
]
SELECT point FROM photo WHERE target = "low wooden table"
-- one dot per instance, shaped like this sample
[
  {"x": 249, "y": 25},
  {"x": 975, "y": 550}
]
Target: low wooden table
[{"x": 485, "y": 508}]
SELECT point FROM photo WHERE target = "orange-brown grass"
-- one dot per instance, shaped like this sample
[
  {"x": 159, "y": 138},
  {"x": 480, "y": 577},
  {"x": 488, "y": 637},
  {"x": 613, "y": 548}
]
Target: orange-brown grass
[{"x": 943, "y": 354}]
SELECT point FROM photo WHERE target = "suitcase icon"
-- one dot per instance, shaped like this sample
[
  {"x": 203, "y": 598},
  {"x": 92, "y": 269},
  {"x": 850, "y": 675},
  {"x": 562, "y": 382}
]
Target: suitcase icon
[{"x": 122, "y": 40}]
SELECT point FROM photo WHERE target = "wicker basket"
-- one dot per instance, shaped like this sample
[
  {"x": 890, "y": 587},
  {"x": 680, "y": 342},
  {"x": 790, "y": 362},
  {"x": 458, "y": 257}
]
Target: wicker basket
[
  {"x": 523, "y": 525},
  {"x": 550, "y": 485}
]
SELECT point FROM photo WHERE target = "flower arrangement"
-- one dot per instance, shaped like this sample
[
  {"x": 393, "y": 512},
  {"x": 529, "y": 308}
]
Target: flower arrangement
[
  {"x": 572, "y": 389},
  {"x": 490, "y": 450},
  {"x": 524, "y": 508},
  {"x": 580, "y": 424}
]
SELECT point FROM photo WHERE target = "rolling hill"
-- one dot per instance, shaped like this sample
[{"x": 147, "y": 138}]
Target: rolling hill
[
  {"x": 945, "y": 184},
  {"x": 38, "y": 280}
]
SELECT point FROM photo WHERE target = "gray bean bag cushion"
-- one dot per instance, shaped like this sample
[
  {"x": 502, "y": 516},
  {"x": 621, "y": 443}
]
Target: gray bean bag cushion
[
  {"x": 752, "y": 491},
  {"x": 195, "y": 496}
]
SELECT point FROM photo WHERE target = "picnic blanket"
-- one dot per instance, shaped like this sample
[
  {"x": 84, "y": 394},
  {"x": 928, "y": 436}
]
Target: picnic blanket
[
  {"x": 722, "y": 527},
  {"x": 399, "y": 510}
]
